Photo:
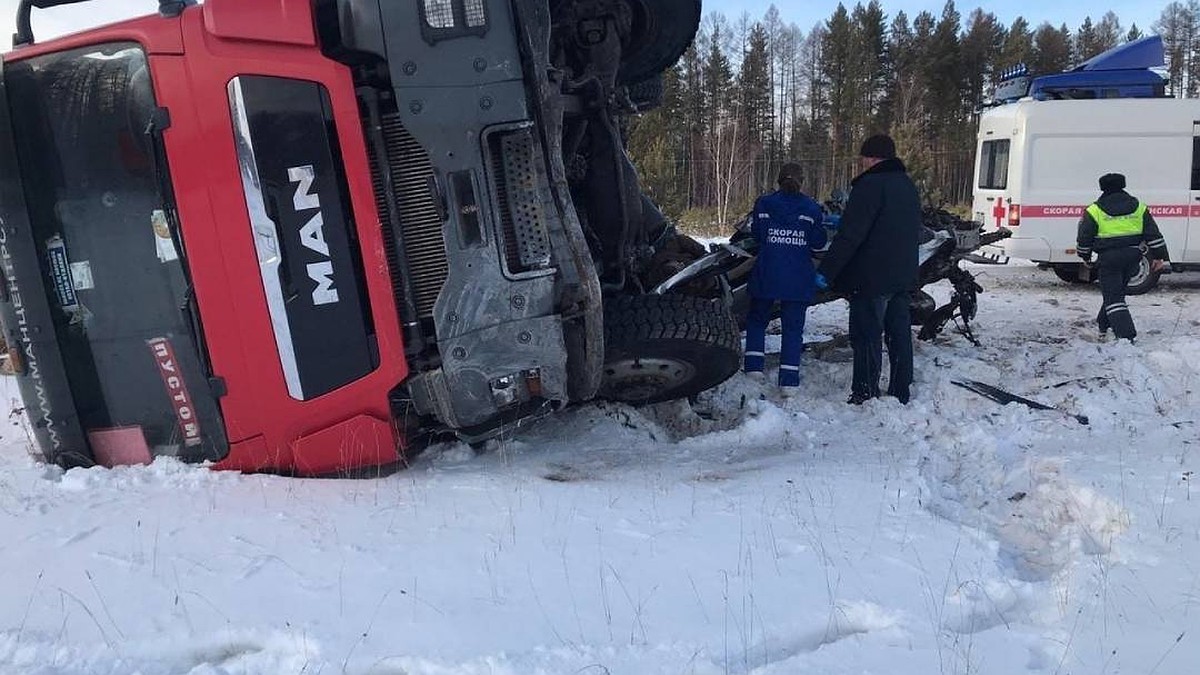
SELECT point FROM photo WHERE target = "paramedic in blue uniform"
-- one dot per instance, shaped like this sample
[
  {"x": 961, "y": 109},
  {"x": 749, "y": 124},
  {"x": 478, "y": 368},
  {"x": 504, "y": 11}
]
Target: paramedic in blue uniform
[
  {"x": 1113, "y": 229},
  {"x": 787, "y": 227}
]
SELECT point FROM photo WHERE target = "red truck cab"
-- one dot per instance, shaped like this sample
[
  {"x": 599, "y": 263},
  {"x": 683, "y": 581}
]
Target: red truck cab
[
  {"x": 215, "y": 325},
  {"x": 297, "y": 235}
]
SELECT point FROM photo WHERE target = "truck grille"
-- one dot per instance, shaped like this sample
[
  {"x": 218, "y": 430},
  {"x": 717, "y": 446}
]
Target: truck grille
[{"x": 420, "y": 220}]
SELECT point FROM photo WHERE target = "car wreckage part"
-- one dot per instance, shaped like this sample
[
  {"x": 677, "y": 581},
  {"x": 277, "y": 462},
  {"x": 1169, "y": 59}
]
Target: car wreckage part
[
  {"x": 947, "y": 244},
  {"x": 1005, "y": 397},
  {"x": 663, "y": 347}
]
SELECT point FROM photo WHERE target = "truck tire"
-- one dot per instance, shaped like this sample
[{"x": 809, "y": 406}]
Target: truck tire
[
  {"x": 647, "y": 94},
  {"x": 1071, "y": 273},
  {"x": 666, "y": 347},
  {"x": 1145, "y": 280},
  {"x": 662, "y": 32}
]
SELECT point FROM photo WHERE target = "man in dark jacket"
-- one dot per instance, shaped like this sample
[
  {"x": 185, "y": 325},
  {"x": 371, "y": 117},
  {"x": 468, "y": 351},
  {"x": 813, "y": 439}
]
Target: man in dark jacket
[
  {"x": 787, "y": 226},
  {"x": 874, "y": 259},
  {"x": 1113, "y": 228}
]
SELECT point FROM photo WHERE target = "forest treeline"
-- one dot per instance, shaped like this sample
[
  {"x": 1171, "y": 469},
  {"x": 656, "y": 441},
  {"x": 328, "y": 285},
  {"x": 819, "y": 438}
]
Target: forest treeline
[{"x": 751, "y": 94}]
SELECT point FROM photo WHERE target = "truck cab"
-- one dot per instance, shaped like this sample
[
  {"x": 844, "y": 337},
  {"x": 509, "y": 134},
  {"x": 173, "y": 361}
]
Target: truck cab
[{"x": 295, "y": 236}]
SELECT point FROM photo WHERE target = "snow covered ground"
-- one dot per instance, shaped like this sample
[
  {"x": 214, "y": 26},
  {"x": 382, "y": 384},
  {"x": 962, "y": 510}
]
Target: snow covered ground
[{"x": 748, "y": 535}]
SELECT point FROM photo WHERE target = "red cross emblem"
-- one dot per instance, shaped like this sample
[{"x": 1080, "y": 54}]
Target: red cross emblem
[{"x": 998, "y": 211}]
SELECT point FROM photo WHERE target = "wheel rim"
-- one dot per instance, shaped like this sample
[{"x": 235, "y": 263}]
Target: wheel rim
[
  {"x": 1143, "y": 273},
  {"x": 645, "y": 378}
]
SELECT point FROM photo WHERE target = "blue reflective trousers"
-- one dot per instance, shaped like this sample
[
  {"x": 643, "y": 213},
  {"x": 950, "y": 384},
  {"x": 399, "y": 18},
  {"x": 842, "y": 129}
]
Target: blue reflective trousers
[{"x": 793, "y": 338}]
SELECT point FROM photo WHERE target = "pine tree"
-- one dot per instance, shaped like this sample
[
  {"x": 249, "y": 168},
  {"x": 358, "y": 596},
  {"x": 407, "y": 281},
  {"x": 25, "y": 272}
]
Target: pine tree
[
  {"x": 754, "y": 91},
  {"x": 1134, "y": 34},
  {"x": 944, "y": 70},
  {"x": 718, "y": 82},
  {"x": 1192, "y": 46},
  {"x": 657, "y": 142},
  {"x": 692, "y": 112},
  {"x": 1086, "y": 41},
  {"x": 1174, "y": 25},
  {"x": 790, "y": 67},
  {"x": 725, "y": 132},
  {"x": 837, "y": 77},
  {"x": 899, "y": 69},
  {"x": 981, "y": 47},
  {"x": 1108, "y": 32},
  {"x": 778, "y": 61},
  {"x": 870, "y": 30},
  {"x": 906, "y": 93},
  {"x": 1018, "y": 45},
  {"x": 1051, "y": 49},
  {"x": 811, "y": 137}
]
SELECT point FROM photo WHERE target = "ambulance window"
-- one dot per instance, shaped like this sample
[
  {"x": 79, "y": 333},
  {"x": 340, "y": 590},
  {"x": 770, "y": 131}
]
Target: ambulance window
[
  {"x": 1196, "y": 163},
  {"x": 993, "y": 165}
]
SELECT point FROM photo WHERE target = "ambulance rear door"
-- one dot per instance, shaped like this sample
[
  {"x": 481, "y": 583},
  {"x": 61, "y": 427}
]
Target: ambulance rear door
[
  {"x": 994, "y": 155},
  {"x": 1191, "y": 245}
]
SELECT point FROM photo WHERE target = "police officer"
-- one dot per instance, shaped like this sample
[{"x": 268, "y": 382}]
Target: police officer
[
  {"x": 1113, "y": 228},
  {"x": 787, "y": 226}
]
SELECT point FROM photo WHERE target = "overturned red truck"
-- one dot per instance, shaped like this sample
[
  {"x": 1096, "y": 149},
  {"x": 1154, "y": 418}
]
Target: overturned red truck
[{"x": 303, "y": 235}]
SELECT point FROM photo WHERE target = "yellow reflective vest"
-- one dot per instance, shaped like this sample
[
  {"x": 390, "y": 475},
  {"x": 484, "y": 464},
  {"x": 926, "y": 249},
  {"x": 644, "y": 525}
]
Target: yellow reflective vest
[{"x": 1110, "y": 227}]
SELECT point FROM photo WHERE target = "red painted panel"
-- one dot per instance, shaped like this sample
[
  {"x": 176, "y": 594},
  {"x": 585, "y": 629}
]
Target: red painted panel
[
  {"x": 282, "y": 21},
  {"x": 360, "y": 441},
  {"x": 263, "y": 422},
  {"x": 253, "y": 455}
]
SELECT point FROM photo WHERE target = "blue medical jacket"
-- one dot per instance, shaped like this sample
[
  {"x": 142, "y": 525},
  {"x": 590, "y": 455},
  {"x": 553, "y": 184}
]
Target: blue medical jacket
[{"x": 787, "y": 227}]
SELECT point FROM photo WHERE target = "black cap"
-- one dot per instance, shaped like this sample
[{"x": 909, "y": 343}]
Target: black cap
[
  {"x": 879, "y": 146},
  {"x": 1112, "y": 182},
  {"x": 791, "y": 171}
]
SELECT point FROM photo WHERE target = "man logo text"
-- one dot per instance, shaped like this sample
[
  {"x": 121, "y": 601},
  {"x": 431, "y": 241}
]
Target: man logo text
[{"x": 312, "y": 234}]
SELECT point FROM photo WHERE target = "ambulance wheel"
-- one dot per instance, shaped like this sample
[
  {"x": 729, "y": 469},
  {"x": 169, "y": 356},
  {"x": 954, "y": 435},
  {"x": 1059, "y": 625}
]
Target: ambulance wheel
[
  {"x": 1073, "y": 273},
  {"x": 1145, "y": 279},
  {"x": 667, "y": 347}
]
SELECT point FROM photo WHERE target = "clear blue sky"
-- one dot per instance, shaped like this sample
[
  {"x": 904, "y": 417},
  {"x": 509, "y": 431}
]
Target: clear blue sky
[{"x": 806, "y": 13}]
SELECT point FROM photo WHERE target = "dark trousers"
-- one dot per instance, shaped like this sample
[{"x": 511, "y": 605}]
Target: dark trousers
[
  {"x": 872, "y": 319},
  {"x": 793, "y": 338},
  {"x": 1116, "y": 268}
]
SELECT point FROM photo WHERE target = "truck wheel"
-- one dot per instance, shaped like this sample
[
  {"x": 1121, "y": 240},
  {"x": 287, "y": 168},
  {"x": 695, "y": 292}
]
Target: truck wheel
[
  {"x": 1070, "y": 273},
  {"x": 1144, "y": 280},
  {"x": 662, "y": 31},
  {"x": 665, "y": 347},
  {"x": 647, "y": 94}
]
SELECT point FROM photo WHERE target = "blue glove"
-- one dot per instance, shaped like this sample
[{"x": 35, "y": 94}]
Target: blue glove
[
  {"x": 832, "y": 221},
  {"x": 821, "y": 281}
]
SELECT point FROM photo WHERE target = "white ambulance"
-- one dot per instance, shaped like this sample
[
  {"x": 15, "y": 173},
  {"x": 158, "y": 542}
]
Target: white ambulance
[{"x": 1038, "y": 163}]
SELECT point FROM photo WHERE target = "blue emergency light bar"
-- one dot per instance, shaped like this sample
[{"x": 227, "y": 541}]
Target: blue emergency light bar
[
  {"x": 1125, "y": 71},
  {"x": 1019, "y": 70}
]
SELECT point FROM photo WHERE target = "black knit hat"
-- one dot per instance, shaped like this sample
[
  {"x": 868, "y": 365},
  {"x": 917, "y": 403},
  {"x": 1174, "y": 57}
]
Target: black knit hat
[
  {"x": 879, "y": 146},
  {"x": 791, "y": 172},
  {"x": 1112, "y": 182}
]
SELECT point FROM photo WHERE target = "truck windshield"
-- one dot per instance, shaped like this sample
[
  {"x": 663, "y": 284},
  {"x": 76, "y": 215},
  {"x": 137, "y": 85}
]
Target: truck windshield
[{"x": 113, "y": 264}]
